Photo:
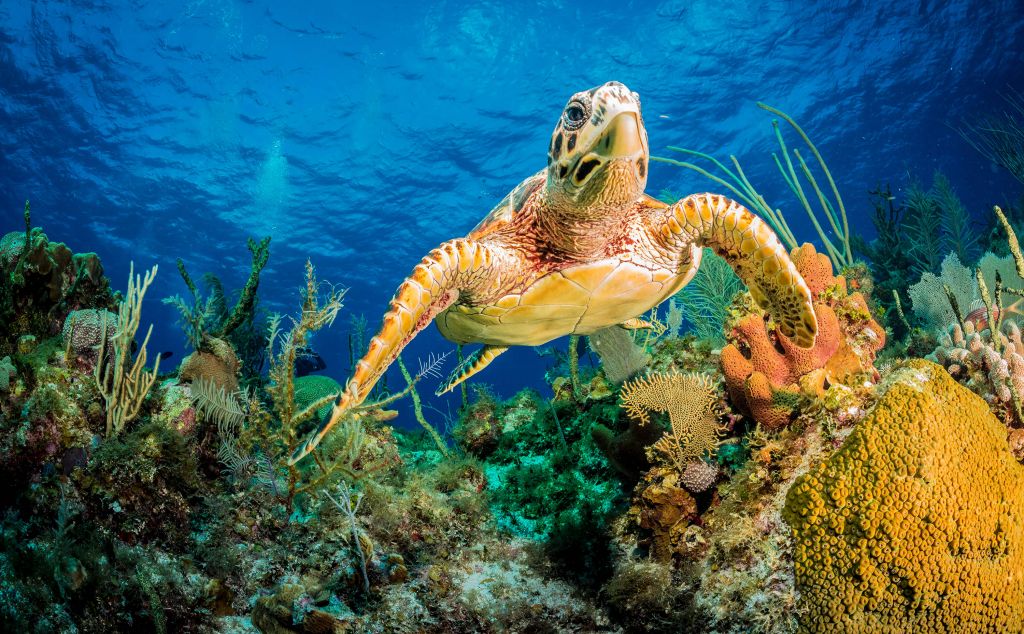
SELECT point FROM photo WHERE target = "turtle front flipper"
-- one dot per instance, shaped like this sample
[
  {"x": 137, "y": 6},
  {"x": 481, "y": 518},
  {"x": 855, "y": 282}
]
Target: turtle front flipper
[
  {"x": 753, "y": 250},
  {"x": 456, "y": 267}
]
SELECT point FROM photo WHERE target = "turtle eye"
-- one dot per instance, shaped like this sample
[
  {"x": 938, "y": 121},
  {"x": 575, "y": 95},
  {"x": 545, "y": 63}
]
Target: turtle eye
[{"x": 574, "y": 116}]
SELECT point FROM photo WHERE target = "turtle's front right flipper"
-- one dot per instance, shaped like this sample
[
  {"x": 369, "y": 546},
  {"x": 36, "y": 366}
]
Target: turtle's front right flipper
[{"x": 435, "y": 284}]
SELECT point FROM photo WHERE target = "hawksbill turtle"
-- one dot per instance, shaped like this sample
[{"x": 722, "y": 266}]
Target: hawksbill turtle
[{"x": 575, "y": 248}]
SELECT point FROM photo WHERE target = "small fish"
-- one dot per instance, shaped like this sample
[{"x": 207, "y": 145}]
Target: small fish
[
  {"x": 308, "y": 361},
  {"x": 978, "y": 317},
  {"x": 165, "y": 355}
]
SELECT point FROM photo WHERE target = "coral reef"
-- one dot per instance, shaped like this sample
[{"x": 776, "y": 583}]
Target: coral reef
[
  {"x": 605, "y": 503},
  {"x": 917, "y": 522},
  {"x": 42, "y": 282},
  {"x": 995, "y": 374},
  {"x": 766, "y": 373}
]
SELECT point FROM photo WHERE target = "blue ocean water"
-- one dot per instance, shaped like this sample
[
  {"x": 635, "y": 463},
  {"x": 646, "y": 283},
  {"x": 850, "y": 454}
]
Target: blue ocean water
[{"x": 360, "y": 135}]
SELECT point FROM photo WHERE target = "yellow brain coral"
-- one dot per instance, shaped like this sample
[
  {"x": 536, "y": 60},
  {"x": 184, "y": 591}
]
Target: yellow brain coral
[{"x": 916, "y": 524}]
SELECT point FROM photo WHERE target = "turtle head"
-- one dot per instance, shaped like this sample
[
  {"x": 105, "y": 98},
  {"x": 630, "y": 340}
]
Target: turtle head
[{"x": 598, "y": 153}]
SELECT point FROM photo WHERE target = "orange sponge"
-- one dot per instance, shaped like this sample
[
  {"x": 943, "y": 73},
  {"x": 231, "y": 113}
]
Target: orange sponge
[{"x": 765, "y": 372}]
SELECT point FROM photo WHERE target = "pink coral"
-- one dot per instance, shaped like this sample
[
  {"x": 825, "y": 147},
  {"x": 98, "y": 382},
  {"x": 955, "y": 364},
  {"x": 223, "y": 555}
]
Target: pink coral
[{"x": 995, "y": 375}]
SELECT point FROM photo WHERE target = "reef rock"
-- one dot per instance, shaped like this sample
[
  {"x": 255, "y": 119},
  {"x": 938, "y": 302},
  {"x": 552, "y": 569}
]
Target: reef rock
[
  {"x": 83, "y": 332},
  {"x": 217, "y": 363},
  {"x": 43, "y": 282}
]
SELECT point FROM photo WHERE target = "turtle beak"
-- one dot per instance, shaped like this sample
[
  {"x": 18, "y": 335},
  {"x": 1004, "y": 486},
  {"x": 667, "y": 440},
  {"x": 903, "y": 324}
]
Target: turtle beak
[{"x": 622, "y": 138}]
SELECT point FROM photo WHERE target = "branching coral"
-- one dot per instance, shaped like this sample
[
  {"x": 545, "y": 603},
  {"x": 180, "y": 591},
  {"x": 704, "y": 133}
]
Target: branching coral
[
  {"x": 122, "y": 382},
  {"x": 276, "y": 435},
  {"x": 984, "y": 349},
  {"x": 766, "y": 373},
  {"x": 916, "y": 524},
  {"x": 208, "y": 316},
  {"x": 997, "y": 375},
  {"x": 348, "y": 502},
  {"x": 269, "y": 435}
]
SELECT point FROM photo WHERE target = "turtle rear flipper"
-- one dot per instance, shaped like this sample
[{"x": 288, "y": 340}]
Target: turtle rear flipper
[
  {"x": 454, "y": 267},
  {"x": 473, "y": 364},
  {"x": 753, "y": 250}
]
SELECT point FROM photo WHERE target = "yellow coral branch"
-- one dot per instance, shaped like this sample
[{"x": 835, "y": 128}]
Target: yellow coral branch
[{"x": 124, "y": 388}]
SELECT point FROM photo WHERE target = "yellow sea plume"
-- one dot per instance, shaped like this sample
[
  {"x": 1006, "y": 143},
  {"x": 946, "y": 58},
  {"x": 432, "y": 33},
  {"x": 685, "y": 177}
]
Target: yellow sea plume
[
  {"x": 691, "y": 401},
  {"x": 916, "y": 524}
]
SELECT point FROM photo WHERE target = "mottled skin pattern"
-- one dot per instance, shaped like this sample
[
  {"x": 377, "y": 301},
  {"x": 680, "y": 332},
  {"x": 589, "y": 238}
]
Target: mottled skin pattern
[{"x": 575, "y": 248}]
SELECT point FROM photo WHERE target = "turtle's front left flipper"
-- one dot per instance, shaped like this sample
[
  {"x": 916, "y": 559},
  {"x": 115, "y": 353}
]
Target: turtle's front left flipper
[
  {"x": 456, "y": 267},
  {"x": 753, "y": 250}
]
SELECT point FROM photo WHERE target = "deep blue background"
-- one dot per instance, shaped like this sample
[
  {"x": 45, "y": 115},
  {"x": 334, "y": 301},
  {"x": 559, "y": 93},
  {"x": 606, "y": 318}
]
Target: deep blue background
[{"x": 360, "y": 135}]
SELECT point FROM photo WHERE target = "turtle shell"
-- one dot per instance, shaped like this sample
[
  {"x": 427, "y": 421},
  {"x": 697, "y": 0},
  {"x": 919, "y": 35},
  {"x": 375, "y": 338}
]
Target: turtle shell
[{"x": 509, "y": 206}]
